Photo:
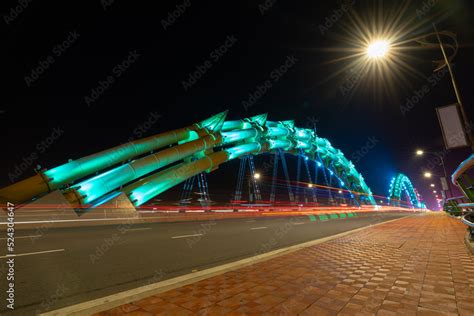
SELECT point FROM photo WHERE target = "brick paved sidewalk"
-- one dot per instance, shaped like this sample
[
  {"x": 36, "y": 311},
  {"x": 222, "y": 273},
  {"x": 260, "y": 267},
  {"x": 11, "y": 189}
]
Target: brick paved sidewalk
[{"x": 413, "y": 266}]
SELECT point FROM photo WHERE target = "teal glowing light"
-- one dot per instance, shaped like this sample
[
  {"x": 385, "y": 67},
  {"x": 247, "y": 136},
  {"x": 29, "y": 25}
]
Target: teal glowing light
[
  {"x": 238, "y": 135},
  {"x": 145, "y": 189},
  {"x": 231, "y": 125},
  {"x": 82, "y": 167},
  {"x": 78, "y": 169},
  {"x": 214, "y": 123},
  {"x": 192, "y": 136},
  {"x": 253, "y": 135},
  {"x": 241, "y": 150},
  {"x": 278, "y": 132},
  {"x": 258, "y": 119},
  {"x": 110, "y": 169},
  {"x": 303, "y": 134},
  {"x": 401, "y": 183},
  {"x": 247, "y": 123},
  {"x": 101, "y": 184},
  {"x": 97, "y": 186},
  {"x": 303, "y": 144},
  {"x": 279, "y": 143}
]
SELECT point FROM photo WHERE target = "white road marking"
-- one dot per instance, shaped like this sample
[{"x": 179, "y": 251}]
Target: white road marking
[
  {"x": 19, "y": 237},
  {"x": 137, "y": 229},
  {"x": 299, "y": 223},
  {"x": 186, "y": 236},
  {"x": 255, "y": 228},
  {"x": 30, "y": 253}
]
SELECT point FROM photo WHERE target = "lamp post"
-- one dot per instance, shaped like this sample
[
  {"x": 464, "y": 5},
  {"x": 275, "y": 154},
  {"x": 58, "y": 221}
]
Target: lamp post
[
  {"x": 420, "y": 152},
  {"x": 381, "y": 48},
  {"x": 456, "y": 89}
]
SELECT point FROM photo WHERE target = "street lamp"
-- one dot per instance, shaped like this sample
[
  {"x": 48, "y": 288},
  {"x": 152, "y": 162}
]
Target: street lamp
[
  {"x": 378, "y": 49},
  {"x": 432, "y": 185},
  {"x": 310, "y": 185},
  {"x": 441, "y": 158},
  {"x": 253, "y": 184},
  {"x": 384, "y": 51},
  {"x": 427, "y": 174},
  {"x": 434, "y": 191}
]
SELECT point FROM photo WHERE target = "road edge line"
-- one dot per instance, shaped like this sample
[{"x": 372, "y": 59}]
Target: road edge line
[{"x": 115, "y": 300}]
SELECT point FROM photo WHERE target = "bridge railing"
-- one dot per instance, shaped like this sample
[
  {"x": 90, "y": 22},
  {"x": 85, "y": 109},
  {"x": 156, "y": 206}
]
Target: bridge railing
[
  {"x": 462, "y": 177},
  {"x": 468, "y": 219},
  {"x": 456, "y": 205}
]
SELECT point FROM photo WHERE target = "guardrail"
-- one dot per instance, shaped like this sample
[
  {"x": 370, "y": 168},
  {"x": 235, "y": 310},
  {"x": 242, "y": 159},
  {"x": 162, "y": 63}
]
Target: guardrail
[
  {"x": 469, "y": 221},
  {"x": 461, "y": 178},
  {"x": 466, "y": 205},
  {"x": 456, "y": 206}
]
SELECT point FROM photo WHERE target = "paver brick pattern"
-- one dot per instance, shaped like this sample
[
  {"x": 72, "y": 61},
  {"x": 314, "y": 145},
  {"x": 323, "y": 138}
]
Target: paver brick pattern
[{"x": 414, "y": 266}]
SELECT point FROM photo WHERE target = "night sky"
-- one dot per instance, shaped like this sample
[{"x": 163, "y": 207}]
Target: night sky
[{"x": 141, "y": 57}]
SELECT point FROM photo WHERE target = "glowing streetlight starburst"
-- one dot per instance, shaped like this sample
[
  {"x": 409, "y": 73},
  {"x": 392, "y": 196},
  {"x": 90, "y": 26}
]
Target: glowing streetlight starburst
[{"x": 378, "y": 49}]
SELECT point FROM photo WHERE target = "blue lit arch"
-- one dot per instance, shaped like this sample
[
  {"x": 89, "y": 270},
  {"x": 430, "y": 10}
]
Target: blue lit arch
[{"x": 402, "y": 184}]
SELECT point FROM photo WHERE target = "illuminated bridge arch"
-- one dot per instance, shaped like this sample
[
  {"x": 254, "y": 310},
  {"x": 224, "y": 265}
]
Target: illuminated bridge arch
[
  {"x": 402, "y": 184},
  {"x": 145, "y": 168}
]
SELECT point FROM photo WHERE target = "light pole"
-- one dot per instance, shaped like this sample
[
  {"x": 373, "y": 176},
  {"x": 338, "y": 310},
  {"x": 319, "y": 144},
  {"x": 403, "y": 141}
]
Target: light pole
[
  {"x": 455, "y": 86},
  {"x": 380, "y": 49},
  {"x": 420, "y": 152}
]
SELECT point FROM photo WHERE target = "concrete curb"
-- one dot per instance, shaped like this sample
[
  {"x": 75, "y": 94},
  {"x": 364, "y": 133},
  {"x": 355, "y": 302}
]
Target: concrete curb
[{"x": 114, "y": 300}]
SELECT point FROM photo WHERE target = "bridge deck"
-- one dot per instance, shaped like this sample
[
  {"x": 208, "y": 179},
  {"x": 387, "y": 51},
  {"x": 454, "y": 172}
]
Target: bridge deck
[{"x": 413, "y": 266}]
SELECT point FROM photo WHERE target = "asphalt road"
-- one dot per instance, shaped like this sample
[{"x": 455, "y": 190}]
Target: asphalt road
[{"x": 61, "y": 267}]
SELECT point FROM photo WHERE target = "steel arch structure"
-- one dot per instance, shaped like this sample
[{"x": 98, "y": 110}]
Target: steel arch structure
[
  {"x": 144, "y": 168},
  {"x": 402, "y": 184}
]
